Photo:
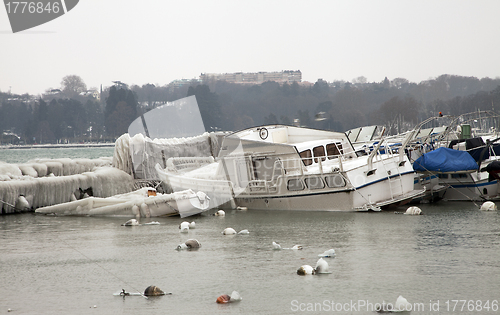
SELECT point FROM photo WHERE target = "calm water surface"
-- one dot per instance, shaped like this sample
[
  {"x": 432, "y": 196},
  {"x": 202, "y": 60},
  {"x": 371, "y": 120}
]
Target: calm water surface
[
  {"x": 68, "y": 265},
  {"x": 24, "y": 155}
]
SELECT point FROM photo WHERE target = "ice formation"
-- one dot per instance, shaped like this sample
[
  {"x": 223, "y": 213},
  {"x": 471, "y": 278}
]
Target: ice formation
[
  {"x": 45, "y": 182},
  {"x": 138, "y": 155}
]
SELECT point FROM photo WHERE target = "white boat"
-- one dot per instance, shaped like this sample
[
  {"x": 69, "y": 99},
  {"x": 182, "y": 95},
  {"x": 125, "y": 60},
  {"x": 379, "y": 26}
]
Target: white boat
[
  {"x": 292, "y": 168},
  {"x": 144, "y": 202},
  {"x": 461, "y": 176}
]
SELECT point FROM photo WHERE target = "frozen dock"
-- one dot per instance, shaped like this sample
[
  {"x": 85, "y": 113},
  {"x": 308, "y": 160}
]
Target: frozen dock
[{"x": 46, "y": 182}]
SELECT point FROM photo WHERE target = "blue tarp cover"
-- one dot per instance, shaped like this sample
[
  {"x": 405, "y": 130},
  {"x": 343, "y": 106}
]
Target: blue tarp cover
[{"x": 445, "y": 160}]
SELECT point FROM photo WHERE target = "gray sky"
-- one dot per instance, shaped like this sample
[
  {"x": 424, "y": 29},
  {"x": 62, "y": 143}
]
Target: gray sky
[{"x": 139, "y": 42}]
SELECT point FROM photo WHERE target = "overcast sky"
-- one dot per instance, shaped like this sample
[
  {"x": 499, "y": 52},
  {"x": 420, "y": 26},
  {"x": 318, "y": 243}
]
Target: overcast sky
[{"x": 139, "y": 42}]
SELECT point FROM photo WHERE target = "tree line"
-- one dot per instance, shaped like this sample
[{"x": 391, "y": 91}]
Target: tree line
[{"x": 70, "y": 115}]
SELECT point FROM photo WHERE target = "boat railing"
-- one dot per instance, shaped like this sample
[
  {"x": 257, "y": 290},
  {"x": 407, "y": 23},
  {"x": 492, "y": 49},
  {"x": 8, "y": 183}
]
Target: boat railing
[{"x": 187, "y": 163}]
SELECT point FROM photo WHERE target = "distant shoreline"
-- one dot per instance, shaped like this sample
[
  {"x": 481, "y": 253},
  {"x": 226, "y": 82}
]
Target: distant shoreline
[{"x": 57, "y": 146}]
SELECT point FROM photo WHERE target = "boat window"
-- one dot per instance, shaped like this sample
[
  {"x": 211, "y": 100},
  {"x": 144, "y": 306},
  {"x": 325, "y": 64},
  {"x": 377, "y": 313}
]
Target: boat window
[
  {"x": 319, "y": 151},
  {"x": 295, "y": 184},
  {"x": 458, "y": 175},
  {"x": 333, "y": 150},
  {"x": 443, "y": 176},
  {"x": 335, "y": 181},
  {"x": 314, "y": 183},
  {"x": 263, "y": 168},
  {"x": 306, "y": 157}
]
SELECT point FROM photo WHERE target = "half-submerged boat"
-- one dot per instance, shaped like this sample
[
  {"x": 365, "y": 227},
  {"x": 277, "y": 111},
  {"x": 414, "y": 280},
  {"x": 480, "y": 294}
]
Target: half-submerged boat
[
  {"x": 144, "y": 202},
  {"x": 293, "y": 168}
]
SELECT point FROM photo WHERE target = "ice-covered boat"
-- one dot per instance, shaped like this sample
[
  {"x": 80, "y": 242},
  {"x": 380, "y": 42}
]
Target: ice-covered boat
[
  {"x": 144, "y": 202},
  {"x": 292, "y": 168}
]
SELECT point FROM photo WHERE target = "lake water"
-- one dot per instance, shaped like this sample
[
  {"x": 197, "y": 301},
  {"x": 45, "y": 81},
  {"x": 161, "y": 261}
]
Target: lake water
[
  {"x": 76, "y": 265},
  {"x": 68, "y": 265},
  {"x": 24, "y": 155}
]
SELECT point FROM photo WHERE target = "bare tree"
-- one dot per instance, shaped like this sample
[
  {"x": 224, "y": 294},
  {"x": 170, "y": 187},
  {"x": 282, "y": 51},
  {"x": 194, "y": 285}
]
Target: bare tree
[{"x": 72, "y": 85}]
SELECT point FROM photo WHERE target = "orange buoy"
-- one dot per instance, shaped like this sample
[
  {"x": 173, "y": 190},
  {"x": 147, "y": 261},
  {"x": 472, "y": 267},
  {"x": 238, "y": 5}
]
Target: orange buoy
[{"x": 223, "y": 299}]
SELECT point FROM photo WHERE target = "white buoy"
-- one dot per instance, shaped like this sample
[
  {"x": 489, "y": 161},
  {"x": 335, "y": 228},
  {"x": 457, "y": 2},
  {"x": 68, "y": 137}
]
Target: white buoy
[
  {"x": 489, "y": 206},
  {"x": 152, "y": 223},
  {"x": 184, "y": 227},
  {"x": 192, "y": 225},
  {"x": 220, "y": 213},
  {"x": 297, "y": 247},
  {"x": 242, "y": 208},
  {"x": 243, "y": 232},
  {"x": 402, "y": 304},
  {"x": 328, "y": 253},
  {"x": 189, "y": 244},
  {"x": 413, "y": 211},
  {"x": 235, "y": 296},
  {"x": 145, "y": 210},
  {"x": 22, "y": 203},
  {"x": 131, "y": 222},
  {"x": 229, "y": 231},
  {"x": 225, "y": 298},
  {"x": 305, "y": 270},
  {"x": 276, "y": 246},
  {"x": 136, "y": 211},
  {"x": 321, "y": 266}
]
